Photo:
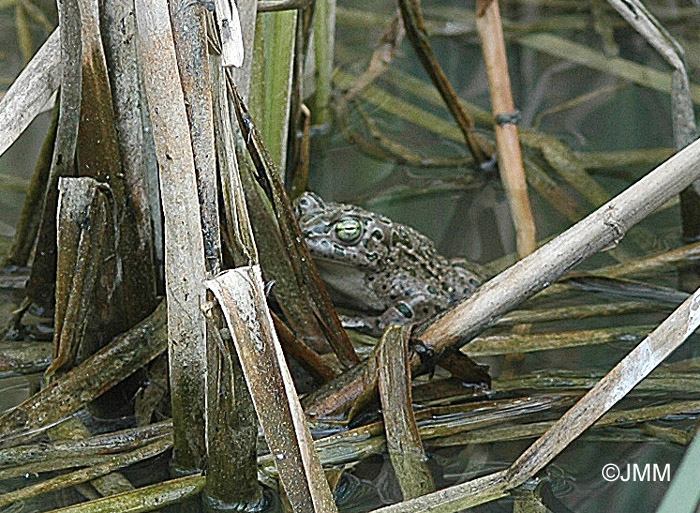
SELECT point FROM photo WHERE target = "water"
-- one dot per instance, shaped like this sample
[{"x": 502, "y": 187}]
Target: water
[{"x": 476, "y": 224}]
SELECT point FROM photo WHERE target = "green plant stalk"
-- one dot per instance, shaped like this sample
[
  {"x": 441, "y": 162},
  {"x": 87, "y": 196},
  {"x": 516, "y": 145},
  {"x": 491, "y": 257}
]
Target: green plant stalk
[
  {"x": 273, "y": 57},
  {"x": 324, "y": 39}
]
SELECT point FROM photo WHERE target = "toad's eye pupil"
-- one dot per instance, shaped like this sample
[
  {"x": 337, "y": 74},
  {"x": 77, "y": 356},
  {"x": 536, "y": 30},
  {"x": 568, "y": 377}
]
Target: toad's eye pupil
[{"x": 348, "y": 230}]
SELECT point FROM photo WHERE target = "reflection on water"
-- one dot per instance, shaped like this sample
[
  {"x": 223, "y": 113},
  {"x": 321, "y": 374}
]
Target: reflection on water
[
  {"x": 13, "y": 391},
  {"x": 355, "y": 494}
]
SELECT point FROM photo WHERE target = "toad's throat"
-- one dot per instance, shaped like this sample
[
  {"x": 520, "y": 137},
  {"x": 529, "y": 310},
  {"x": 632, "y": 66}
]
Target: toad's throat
[{"x": 347, "y": 286}]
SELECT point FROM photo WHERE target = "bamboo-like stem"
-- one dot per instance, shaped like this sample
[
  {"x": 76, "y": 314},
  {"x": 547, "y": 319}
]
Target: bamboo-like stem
[
  {"x": 190, "y": 38},
  {"x": 139, "y": 209},
  {"x": 402, "y": 438},
  {"x": 324, "y": 39},
  {"x": 81, "y": 476},
  {"x": 562, "y": 160},
  {"x": 28, "y": 225},
  {"x": 604, "y": 227},
  {"x": 240, "y": 295},
  {"x": 510, "y": 160},
  {"x": 30, "y": 91},
  {"x": 270, "y": 96},
  {"x": 83, "y": 220},
  {"x": 148, "y": 498},
  {"x": 231, "y": 424},
  {"x": 305, "y": 273},
  {"x": 184, "y": 256},
  {"x": 613, "y": 387},
  {"x": 604, "y": 395},
  {"x": 87, "y": 381},
  {"x": 104, "y": 444},
  {"x": 228, "y": 21},
  {"x": 40, "y": 287},
  {"x": 682, "y": 113},
  {"x": 414, "y": 24},
  {"x": 107, "y": 484}
]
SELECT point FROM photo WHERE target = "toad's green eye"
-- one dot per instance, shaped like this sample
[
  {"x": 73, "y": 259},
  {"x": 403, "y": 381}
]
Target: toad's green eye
[{"x": 348, "y": 230}]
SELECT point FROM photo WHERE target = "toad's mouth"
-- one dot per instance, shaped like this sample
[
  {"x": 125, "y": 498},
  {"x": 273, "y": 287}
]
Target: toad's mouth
[{"x": 335, "y": 261}]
